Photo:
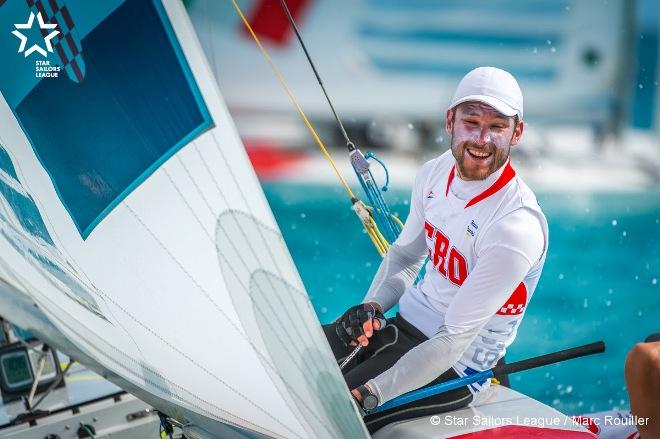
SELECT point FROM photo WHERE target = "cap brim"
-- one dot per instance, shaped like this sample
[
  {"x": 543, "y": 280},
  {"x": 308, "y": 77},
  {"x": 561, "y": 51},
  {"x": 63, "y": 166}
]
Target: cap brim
[{"x": 497, "y": 104}]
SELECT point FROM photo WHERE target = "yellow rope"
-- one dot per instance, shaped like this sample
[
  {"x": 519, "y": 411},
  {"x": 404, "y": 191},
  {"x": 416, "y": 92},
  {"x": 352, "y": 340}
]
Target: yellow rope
[
  {"x": 281, "y": 80},
  {"x": 397, "y": 220},
  {"x": 380, "y": 242}
]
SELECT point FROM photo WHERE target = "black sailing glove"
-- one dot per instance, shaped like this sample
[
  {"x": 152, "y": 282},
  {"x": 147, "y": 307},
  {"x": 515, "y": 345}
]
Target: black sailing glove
[{"x": 350, "y": 325}]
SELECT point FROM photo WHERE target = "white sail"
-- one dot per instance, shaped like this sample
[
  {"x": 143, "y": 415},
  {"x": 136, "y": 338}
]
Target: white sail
[{"x": 135, "y": 235}]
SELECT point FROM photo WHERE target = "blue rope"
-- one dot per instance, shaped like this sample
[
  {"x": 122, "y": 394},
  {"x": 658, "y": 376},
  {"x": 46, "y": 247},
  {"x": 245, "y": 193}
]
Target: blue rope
[
  {"x": 436, "y": 389},
  {"x": 371, "y": 155},
  {"x": 381, "y": 212}
]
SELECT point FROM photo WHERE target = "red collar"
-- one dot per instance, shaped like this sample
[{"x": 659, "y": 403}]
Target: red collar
[{"x": 503, "y": 180}]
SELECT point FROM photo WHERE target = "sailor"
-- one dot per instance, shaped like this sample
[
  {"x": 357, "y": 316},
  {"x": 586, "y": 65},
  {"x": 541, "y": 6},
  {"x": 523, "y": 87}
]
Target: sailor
[
  {"x": 643, "y": 381},
  {"x": 486, "y": 240}
]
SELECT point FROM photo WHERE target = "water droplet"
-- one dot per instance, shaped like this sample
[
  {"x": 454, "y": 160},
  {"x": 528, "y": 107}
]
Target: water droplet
[
  {"x": 410, "y": 126},
  {"x": 569, "y": 389},
  {"x": 608, "y": 303},
  {"x": 639, "y": 313},
  {"x": 625, "y": 233},
  {"x": 535, "y": 50},
  {"x": 654, "y": 281},
  {"x": 561, "y": 276},
  {"x": 641, "y": 86},
  {"x": 439, "y": 139},
  {"x": 303, "y": 215},
  {"x": 585, "y": 303},
  {"x": 324, "y": 310},
  {"x": 614, "y": 222},
  {"x": 553, "y": 49},
  {"x": 548, "y": 42}
]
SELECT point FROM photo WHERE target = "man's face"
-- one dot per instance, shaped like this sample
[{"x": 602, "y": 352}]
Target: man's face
[{"x": 481, "y": 138}]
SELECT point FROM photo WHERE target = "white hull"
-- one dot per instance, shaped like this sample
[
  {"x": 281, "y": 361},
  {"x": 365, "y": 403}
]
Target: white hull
[{"x": 497, "y": 411}]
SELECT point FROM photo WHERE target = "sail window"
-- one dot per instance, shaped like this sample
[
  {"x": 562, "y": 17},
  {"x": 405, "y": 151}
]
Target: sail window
[{"x": 134, "y": 105}]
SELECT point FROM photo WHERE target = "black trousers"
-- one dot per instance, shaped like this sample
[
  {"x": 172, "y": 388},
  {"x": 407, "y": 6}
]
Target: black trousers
[{"x": 384, "y": 349}]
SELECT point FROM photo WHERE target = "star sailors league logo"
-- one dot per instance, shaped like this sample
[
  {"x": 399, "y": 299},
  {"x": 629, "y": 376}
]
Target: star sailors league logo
[
  {"x": 30, "y": 44},
  {"x": 35, "y": 47}
]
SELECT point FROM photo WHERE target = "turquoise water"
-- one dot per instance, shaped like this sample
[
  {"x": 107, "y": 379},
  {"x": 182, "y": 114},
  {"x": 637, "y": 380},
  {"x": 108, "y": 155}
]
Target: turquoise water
[{"x": 600, "y": 282}]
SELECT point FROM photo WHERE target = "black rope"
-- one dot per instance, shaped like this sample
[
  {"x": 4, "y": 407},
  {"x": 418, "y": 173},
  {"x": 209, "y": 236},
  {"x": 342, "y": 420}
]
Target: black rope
[{"x": 349, "y": 144}]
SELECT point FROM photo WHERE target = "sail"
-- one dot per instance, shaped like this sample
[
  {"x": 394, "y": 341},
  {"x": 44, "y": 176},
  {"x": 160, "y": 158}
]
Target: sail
[{"x": 134, "y": 234}]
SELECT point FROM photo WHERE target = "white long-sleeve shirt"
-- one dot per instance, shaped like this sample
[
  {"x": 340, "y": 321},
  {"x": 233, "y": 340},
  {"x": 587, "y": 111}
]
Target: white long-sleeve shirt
[{"x": 486, "y": 242}]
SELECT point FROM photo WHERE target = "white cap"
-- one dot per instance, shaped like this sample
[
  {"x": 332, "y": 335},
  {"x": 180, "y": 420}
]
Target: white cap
[{"x": 492, "y": 86}]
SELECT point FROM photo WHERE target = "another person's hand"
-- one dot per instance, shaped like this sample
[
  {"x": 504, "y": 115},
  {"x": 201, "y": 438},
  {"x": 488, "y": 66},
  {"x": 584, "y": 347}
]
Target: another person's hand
[{"x": 358, "y": 324}]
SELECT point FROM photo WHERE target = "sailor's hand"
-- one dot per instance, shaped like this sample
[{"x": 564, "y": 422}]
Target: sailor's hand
[
  {"x": 358, "y": 324},
  {"x": 365, "y": 397}
]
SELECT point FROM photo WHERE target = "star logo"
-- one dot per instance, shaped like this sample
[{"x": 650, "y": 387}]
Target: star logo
[{"x": 35, "y": 47}]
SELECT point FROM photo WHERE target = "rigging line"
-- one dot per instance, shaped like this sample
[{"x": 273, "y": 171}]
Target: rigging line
[
  {"x": 53, "y": 385},
  {"x": 316, "y": 73},
  {"x": 370, "y": 223},
  {"x": 382, "y": 245},
  {"x": 23, "y": 283},
  {"x": 293, "y": 99}
]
